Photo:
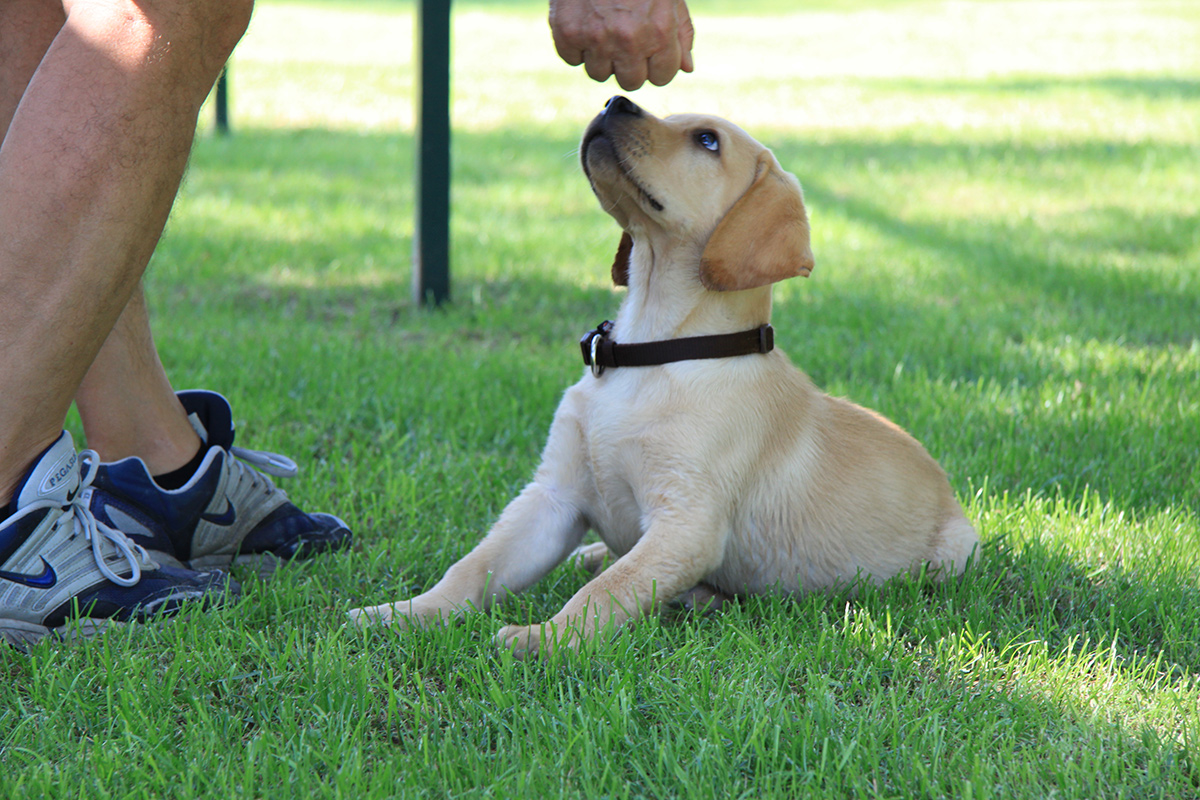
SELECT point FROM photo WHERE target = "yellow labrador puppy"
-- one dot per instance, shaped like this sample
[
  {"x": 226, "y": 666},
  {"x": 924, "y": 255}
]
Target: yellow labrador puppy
[{"x": 696, "y": 451}]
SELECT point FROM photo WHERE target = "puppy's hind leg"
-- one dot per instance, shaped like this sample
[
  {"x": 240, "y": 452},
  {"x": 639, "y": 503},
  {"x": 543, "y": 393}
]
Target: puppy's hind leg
[
  {"x": 592, "y": 558},
  {"x": 702, "y": 599}
]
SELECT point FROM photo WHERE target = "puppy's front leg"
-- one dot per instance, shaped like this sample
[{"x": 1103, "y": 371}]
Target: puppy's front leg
[
  {"x": 594, "y": 558},
  {"x": 667, "y": 561},
  {"x": 535, "y": 532}
]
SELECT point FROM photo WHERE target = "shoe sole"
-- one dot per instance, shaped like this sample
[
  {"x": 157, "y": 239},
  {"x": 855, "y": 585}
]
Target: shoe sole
[
  {"x": 24, "y": 635},
  {"x": 262, "y": 564}
]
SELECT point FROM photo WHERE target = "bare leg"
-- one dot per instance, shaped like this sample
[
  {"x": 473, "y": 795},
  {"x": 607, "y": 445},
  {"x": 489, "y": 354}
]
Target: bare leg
[
  {"x": 126, "y": 402},
  {"x": 26, "y": 31},
  {"x": 89, "y": 168}
]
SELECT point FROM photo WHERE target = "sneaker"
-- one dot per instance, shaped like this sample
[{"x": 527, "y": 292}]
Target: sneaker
[
  {"x": 58, "y": 564},
  {"x": 229, "y": 512}
]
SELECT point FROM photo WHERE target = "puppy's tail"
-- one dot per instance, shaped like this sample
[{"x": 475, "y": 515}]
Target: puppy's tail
[{"x": 956, "y": 543}]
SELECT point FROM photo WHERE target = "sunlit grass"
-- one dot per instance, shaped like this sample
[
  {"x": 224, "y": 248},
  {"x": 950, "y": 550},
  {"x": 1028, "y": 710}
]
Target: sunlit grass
[{"x": 1059, "y": 69}]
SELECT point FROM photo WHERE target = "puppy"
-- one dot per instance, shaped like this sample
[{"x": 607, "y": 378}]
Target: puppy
[{"x": 731, "y": 473}]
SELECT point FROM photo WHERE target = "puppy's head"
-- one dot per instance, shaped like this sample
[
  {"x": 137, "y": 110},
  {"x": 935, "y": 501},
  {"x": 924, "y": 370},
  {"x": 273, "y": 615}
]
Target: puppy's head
[{"x": 701, "y": 180}]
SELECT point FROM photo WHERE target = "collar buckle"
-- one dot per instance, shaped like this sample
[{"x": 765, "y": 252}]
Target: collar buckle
[
  {"x": 590, "y": 345},
  {"x": 766, "y": 339}
]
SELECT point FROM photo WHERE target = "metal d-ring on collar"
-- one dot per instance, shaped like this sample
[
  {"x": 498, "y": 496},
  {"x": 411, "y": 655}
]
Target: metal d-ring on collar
[
  {"x": 600, "y": 351},
  {"x": 597, "y": 367}
]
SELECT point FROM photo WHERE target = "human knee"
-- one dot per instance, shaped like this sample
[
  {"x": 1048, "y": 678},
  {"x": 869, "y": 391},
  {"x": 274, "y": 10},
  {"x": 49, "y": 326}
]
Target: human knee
[
  {"x": 201, "y": 33},
  {"x": 210, "y": 28},
  {"x": 217, "y": 25}
]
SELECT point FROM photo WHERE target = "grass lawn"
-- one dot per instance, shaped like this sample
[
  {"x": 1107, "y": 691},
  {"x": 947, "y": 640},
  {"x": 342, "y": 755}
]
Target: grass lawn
[{"x": 1005, "y": 200}]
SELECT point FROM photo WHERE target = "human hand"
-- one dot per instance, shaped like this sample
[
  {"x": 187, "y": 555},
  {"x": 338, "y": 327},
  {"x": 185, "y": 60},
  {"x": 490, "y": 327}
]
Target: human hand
[{"x": 636, "y": 40}]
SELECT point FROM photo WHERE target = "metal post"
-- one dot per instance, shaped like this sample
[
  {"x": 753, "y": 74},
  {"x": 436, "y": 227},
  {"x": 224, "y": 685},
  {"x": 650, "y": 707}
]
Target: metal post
[
  {"x": 221, "y": 101},
  {"x": 431, "y": 237}
]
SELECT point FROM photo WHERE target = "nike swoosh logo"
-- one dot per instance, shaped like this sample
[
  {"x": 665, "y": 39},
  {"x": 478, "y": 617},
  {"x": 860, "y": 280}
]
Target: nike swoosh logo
[
  {"x": 225, "y": 518},
  {"x": 44, "y": 581}
]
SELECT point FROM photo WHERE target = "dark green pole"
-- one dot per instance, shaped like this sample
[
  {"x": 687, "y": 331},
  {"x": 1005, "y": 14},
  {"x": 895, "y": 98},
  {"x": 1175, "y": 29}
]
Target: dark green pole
[
  {"x": 431, "y": 239},
  {"x": 221, "y": 101}
]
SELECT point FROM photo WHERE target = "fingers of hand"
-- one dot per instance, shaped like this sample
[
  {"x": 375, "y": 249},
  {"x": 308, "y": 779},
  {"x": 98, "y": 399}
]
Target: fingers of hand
[
  {"x": 663, "y": 65},
  {"x": 686, "y": 34},
  {"x": 652, "y": 43}
]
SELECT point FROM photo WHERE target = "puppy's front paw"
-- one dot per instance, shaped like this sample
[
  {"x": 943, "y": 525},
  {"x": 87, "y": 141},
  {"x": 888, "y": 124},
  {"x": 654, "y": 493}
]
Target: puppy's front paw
[
  {"x": 530, "y": 641},
  {"x": 402, "y": 615}
]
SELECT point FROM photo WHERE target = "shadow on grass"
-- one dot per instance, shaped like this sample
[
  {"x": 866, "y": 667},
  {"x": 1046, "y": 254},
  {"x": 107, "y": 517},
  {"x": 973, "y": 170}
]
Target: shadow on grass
[{"x": 1058, "y": 275}]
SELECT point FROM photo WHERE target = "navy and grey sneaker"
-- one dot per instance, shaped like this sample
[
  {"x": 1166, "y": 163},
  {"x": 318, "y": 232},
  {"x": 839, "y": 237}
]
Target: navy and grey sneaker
[
  {"x": 58, "y": 564},
  {"x": 229, "y": 512}
]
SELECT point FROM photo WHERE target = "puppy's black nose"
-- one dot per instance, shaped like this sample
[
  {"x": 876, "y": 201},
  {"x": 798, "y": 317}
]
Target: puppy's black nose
[{"x": 619, "y": 105}]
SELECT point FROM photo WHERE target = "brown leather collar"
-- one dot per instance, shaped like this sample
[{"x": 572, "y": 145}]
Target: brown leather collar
[{"x": 600, "y": 351}]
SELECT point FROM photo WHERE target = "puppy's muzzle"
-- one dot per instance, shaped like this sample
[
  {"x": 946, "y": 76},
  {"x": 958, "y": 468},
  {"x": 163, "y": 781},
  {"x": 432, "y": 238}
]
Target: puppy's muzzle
[
  {"x": 618, "y": 106},
  {"x": 612, "y": 139},
  {"x": 618, "y": 111}
]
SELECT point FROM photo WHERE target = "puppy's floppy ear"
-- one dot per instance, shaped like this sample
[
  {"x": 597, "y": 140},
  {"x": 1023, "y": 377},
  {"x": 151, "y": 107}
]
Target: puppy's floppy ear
[
  {"x": 620, "y": 267},
  {"x": 763, "y": 238}
]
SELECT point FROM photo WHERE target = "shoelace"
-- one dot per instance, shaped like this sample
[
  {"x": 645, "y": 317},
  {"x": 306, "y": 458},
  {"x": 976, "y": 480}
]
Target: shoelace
[
  {"x": 270, "y": 463},
  {"x": 96, "y": 532},
  {"x": 253, "y": 467}
]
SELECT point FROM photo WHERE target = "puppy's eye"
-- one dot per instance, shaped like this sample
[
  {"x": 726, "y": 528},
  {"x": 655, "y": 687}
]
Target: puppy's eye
[{"x": 709, "y": 141}]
